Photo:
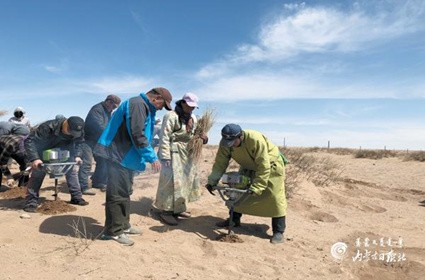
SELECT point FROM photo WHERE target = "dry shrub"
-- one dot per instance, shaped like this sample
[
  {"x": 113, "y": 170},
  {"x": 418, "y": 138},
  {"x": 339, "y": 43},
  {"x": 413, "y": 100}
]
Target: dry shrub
[
  {"x": 415, "y": 156},
  {"x": 204, "y": 125},
  {"x": 302, "y": 166},
  {"x": 342, "y": 151},
  {"x": 83, "y": 239},
  {"x": 3, "y": 113},
  {"x": 374, "y": 154}
]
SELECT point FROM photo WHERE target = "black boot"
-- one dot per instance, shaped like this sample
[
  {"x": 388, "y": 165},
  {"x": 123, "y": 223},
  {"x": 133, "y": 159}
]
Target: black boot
[{"x": 278, "y": 227}]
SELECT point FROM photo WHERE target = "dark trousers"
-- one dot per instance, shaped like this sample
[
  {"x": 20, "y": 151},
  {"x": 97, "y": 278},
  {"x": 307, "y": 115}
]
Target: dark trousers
[
  {"x": 117, "y": 206},
  {"x": 36, "y": 180},
  {"x": 85, "y": 168},
  {"x": 21, "y": 160},
  {"x": 278, "y": 223},
  {"x": 100, "y": 175}
]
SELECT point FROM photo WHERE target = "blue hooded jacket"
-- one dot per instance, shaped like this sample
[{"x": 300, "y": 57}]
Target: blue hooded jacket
[{"x": 127, "y": 138}]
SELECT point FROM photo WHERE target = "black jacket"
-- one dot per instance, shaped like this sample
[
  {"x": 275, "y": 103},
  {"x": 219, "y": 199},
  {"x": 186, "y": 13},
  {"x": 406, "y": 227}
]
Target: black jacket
[
  {"x": 96, "y": 121},
  {"x": 48, "y": 135}
]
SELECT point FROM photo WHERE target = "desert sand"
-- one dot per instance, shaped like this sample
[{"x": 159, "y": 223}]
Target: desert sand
[{"x": 374, "y": 207}]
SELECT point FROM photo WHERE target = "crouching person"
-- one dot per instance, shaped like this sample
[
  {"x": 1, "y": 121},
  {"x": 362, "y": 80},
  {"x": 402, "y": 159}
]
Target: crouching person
[
  {"x": 261, "y": 160},
  {"x": 12, "y": 147},
  {"x": 61, "y": 133}
]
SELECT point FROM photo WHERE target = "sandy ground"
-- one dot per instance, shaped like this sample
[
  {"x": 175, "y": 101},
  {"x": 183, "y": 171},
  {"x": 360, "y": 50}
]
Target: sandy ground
[{"x": 374, "y": 208}]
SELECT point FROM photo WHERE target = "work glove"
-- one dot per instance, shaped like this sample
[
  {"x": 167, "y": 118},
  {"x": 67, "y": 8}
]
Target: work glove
[
  {"x": 210, "y": 189},
  {"x": 251, "y": 192}
]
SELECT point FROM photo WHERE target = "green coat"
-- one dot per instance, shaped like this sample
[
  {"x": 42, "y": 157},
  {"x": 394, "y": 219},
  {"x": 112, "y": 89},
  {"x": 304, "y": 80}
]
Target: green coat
[{"x": 261, "y": 160}]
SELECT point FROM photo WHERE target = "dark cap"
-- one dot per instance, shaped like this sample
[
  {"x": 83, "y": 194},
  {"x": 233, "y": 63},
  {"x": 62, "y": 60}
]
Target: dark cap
[
  {"x": 166, "y": 95},
  {"x": 229, "y": 134},
  {"x": 76, "y": 126},
  {"x": 114, "y": 99}
]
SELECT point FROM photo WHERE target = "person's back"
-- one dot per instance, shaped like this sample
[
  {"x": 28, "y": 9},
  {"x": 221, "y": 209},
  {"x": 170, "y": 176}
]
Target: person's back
[
  {"x": 48, "y": 135},
  {"x": 6, "y": 128},
  {"x": 98, "y": 117}
]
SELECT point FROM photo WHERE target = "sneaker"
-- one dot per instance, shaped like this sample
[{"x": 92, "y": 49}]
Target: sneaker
[
  {"x": 133, "y": 230},
  {"x": 101, "y": 187},
  {"x": 78, "y": 201},
  {"x": 88, "y": 192},
  {"x": 277, "y": 238},
  {"x": 168, "y": 219},
  {"x": 31, "y": 208},
  {"x": 225, "y": 223},
  {"x": 122, "y": 239}
]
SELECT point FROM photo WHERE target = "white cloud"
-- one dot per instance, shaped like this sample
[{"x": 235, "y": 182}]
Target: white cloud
[
  {"x": 275, "y": 86},
  {"x": 126, "y": 86},
  {"x": 279, "y": 64},
  {"x": 52, "y": 69},
  {"x": 321, "y": 29}
]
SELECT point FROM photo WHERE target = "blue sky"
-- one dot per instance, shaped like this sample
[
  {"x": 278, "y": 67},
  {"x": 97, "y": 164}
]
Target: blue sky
[{"x": 348, "y": 72}]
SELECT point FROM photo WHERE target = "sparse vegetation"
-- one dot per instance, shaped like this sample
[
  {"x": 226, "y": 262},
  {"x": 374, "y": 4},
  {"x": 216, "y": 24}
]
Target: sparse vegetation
[
  {"x": 375, "y": 154},
  {"x": 415, "y": 156},
  {"x": 80, "y": 233},
  {"x": 302, "y": 166}
]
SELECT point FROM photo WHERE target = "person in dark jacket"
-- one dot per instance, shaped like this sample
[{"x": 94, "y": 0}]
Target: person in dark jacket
[
  {"x": 126, "y": 145},
  {"x": 7, "y": 128},
  {"x": 67, "y": 134},
  {"x": 12, "y": 147},
  {"x": 13, "y": 133},
  {"x": 96, "y": 121}
]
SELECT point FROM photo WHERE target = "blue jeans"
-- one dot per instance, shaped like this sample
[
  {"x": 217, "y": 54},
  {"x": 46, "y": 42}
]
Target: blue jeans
[
  {"x": 100, "y": 175},
  {"x": 36, "y": 180}
]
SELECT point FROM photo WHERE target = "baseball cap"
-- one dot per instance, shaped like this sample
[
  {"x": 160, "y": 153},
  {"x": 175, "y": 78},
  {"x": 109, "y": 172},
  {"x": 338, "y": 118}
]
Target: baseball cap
[
  {"x": 229, "y": 134},
  {"x": 191, "y": 99},
  {"x": 76, "y": 126},
  {"x": 166, "y": 95}
]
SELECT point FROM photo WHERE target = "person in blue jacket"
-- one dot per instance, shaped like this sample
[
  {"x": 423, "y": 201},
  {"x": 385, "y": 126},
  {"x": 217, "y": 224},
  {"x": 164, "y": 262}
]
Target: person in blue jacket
[{"x": 126, "y": 145}]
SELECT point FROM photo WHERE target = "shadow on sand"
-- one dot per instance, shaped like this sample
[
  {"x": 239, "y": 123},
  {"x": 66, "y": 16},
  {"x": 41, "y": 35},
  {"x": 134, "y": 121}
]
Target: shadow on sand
[{"x": 66, "y": 225}]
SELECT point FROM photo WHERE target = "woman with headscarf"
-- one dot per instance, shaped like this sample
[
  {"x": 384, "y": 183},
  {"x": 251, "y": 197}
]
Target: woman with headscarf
[{"x": 178, "y": 183}]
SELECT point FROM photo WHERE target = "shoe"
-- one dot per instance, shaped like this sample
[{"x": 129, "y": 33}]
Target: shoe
[
  {"x": 122, "y": 239},
  {"x": 225, "y": 223},
  {"x": 168, "y": 219},
  {"x": 277, "y": 238},
  {"x": 101, "y": 187},
  {"x": 184, "y": 215},
  {"x": 78, "y": 201},
  {"x": 133, "y": 230},
  {"x": 31, "y": 208},
  {"x": 88, "y": 192}
]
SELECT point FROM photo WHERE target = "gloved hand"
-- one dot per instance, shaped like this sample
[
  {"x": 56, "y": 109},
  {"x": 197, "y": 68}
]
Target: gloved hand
[
  {"x": 251, "y": 192},
  {"x": 210, "y": 189}
]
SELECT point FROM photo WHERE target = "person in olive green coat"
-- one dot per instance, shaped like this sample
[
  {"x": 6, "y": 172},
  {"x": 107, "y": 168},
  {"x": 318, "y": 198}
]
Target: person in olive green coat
[{"x": 262, "y": 161}]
